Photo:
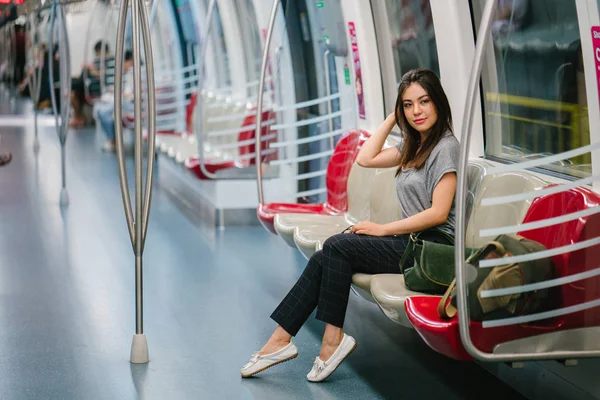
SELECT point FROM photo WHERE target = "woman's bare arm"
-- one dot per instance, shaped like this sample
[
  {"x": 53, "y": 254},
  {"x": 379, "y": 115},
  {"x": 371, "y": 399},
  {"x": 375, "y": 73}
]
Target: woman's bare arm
[
  {"x": 437, "y": 214},
  {"x": 371, "y": 155}
]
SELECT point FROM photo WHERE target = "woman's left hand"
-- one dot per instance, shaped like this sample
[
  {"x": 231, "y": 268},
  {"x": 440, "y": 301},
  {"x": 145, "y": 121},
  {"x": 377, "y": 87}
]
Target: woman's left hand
[{"x": 369, "y": 228}]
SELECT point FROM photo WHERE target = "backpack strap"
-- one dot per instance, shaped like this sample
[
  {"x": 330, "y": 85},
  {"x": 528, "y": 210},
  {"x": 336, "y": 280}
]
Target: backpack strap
[{"x": 445, "y": 308}]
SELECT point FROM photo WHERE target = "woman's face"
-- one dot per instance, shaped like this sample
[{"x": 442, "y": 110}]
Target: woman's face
[{"x": 418, "y": 108}]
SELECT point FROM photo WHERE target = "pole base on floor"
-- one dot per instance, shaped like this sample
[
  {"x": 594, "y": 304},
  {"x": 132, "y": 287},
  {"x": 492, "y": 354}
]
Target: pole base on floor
[
  {"x": 139, "y": 350},
  {"x": 64, "y": 197}
]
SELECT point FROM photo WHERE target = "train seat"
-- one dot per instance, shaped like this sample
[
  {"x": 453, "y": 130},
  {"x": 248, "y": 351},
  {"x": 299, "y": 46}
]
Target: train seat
[
  {"x": 443, "y": 335},
  {"x": 307, "y": 226},
  {"x": 366, "y": 187},
  {"x": 338, "y": 171},
  {"x": 230, "y": 146},
  {"x": 240, "y": 153}
]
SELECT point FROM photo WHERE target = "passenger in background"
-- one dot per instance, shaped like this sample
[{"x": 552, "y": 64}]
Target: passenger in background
[
  {"x": 21, "y": 52},
  {"x": 105, "y": 110},
  {"x": 78, "y": 84},
  {"x": 426, "y": 164},
  {"x": 38, "y": 60},
  {"x": 45, "y": 101}
]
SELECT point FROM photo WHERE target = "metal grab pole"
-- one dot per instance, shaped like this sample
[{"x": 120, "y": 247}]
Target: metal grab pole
[
  {"x": 35, "y": 79},
  {"x": 137, "y": 227},
  {"x": 199, "y": 101},
  {"x": 137, "y": 90},
  {"x": 328, "y": 92},
  {"x": 461, "y": 186},
  {"x": 119, "y": 116},
  {"x": 51, "y": 66},
  {"x": 65, "y": 85},
  {"x": 146, "y": 33},
  {"x": 259, "y": 105},
  {"x": 65, "y": 90}
]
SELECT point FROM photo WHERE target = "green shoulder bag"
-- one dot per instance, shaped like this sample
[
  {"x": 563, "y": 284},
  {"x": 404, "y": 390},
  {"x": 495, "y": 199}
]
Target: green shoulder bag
[{"x": 433, "y": 266}]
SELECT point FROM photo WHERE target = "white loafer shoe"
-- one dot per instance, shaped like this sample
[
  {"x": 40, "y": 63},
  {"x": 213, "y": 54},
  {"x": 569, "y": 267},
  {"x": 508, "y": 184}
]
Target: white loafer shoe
[
  {"x": 322, "y": 369},
  {"x": 259, "y": 363}
]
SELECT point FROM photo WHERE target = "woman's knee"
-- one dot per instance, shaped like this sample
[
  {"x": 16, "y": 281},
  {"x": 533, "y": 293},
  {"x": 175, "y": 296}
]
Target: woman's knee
[{"x": 333, "y": 243}]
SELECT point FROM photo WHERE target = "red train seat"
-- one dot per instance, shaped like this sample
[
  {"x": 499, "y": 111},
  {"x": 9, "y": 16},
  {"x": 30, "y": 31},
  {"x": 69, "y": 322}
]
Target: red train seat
[
  {"x": 443, "y": 335},
  {"x": 246, "y": 148},
  {"x": 338, "y": 170}
]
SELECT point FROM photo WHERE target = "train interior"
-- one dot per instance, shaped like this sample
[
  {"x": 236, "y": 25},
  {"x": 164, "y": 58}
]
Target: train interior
[{"x": 233, "y": 136}]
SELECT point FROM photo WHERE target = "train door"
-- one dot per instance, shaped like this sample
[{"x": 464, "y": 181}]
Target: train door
[
  {"x": 309, "y": 79},
  {"x": 312, "y": 91}
]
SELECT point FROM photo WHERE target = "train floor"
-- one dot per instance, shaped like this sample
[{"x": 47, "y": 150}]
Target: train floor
[{"x": 67, "y": 297}]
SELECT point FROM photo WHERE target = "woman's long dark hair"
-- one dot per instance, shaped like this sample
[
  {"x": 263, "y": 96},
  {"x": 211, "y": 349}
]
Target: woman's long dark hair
[{"x": 411, "y": 137}]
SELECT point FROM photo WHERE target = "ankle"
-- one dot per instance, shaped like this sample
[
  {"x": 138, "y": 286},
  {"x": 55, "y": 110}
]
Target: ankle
[
  {"x": 333, "y": 339},
  {"x": 273, "y": 345},
  {"x": 281, "y": 335}
]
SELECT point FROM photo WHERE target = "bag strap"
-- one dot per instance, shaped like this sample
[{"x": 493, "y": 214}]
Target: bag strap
[
  {"x": 500, "y": 250},
  {"x": 445, "y": 308},
  {"x": 347, "y": 229},
  {"x": 408, "y": 251},
  {"x": 414, "y": 237}
]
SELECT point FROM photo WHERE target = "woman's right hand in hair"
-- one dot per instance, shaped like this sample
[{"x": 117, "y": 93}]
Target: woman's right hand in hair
[{"x": 371, "y": 155}]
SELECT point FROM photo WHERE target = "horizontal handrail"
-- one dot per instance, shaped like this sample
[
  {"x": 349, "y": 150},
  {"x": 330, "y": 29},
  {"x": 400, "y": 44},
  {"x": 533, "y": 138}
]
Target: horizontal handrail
[
  {"x": 541, "y": 316},
  {"x": 492, "y": 201},
  {"x": 531, "y": 102},
  {"x": 544, "y": 223},
  {"x": 311, "y": 192},
  {"x": 539, "y": 255},
  {"x": 540, "y": 285},
  {"x": 240, "y": 143},
  {"x": 249, "y": 156},
  {"x": 311, "y": 121},
  {"x": 309, "y": 157},
  {"x": 544, "y": 161},
  {"x": 309, "y": 175},
  {"x": 309, "y": 139},
  {"x": 233, "y": 131},
  {"x": 308, "y": 103}
]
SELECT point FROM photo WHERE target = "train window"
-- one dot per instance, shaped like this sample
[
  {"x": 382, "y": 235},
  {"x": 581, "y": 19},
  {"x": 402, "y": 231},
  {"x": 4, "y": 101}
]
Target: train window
[
  {"x": 218, "y": 38},
  {"x": 533, "y": 84},
  {"x": 412, "y": 37},
  {"x": 405, "y": 39},
  {"x": 252, "y": 43},
  {"x": 186, "y": 17},
  {"x": 333, "y": 28}
]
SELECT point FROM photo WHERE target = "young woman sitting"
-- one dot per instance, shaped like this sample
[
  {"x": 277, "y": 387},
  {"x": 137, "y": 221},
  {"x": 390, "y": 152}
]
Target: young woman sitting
[{"x": 426, "y": 164}]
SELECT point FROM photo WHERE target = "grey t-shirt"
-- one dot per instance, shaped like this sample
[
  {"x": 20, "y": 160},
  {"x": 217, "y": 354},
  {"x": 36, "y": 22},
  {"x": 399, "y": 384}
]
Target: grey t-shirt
[{"x": 415, "y": 186}]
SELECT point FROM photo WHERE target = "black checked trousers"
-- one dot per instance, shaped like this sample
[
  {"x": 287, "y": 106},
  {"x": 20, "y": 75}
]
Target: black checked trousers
[{"x": 325, "y": 282}]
